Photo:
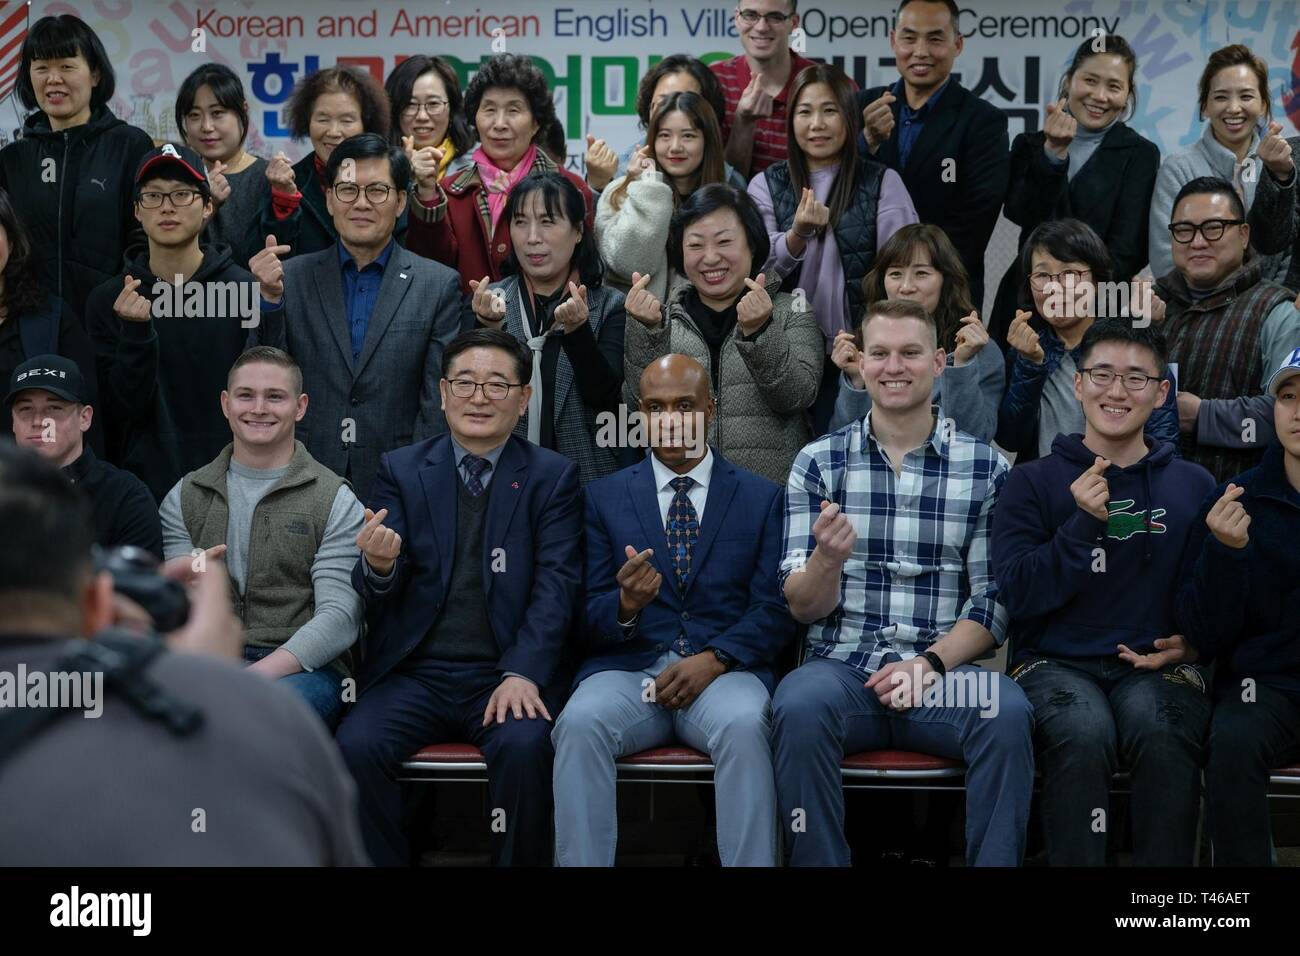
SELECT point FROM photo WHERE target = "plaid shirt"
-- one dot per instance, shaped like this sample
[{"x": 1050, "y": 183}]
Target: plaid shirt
[
  {"x": 922, "y": 560},
  {"x": 769, "y": 131}
]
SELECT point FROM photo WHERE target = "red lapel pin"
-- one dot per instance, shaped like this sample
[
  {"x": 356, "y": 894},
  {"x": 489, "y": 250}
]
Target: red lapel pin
[{"x": 514, "y": 485}]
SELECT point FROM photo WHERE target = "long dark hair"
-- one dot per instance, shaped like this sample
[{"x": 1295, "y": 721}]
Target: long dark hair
[
  {"x": 846, "y": 179},
  {"x": 23, "y": 291},
  {"x": 561, "y": 199},
  {"x": 700, "y": 113},
  {"x": 227, "y": 89},
  {"x": 401, "y": 82},
  {"x": 900, "y": 250},
  {"x": 710, "y": 88}
]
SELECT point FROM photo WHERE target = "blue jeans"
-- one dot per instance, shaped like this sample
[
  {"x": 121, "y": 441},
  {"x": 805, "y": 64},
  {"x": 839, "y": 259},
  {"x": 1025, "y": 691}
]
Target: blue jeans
[
  {"x": 822, "y": 711},
  {"x": 1248, "y": 738},
  {"x": 1094, "y": 715},
  {"x": 608, "y": 717},
  {"x": 322, "y": 688}
]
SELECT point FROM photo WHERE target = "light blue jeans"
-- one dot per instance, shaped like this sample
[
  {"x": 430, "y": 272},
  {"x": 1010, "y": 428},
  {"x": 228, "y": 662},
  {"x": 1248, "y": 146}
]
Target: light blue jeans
[
  {"x": 322, "y": 688},
  {"x": 607, "y": 718}
]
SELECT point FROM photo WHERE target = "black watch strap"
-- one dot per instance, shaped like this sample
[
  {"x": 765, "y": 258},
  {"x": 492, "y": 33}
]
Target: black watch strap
[
  {"x": 725, "y": 659},
  {"x": 936, "y": 662}
]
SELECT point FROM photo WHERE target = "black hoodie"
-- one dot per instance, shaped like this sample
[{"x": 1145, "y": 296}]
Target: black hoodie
[
  {"x": 78, "y": 209},
  {"x": 1077, "y": 586},
  {"x": 161, "y": 379}
]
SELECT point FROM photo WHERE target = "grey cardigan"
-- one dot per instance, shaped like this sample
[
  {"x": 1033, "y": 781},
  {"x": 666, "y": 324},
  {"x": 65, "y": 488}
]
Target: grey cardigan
[
  {"x": 969, "y": 395},
  {"x": 766, "y": 385}
]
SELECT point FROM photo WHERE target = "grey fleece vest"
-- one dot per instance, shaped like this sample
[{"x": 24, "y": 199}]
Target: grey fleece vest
[{"x": 285, "y": 534}]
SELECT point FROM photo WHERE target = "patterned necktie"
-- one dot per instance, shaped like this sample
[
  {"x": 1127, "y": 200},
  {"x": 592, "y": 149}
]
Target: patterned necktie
[
  {"x": 474, "y": 468},
  {"x": 683, "y": 529}
]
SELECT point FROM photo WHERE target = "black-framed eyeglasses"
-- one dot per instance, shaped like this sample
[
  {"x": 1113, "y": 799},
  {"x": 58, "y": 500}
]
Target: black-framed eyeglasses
[
  {"x": 1211, "y": 229},
  {"x": 1133, "y": 381},
  {"x": 1039, "y": 280},
  {"x": 495, "y": 391},
  {"x": 179, "y": 198},
  {"x": 376, "y": 193},
  {"x": 771, "y": 19},
  {"x": 434, "y": 107}
]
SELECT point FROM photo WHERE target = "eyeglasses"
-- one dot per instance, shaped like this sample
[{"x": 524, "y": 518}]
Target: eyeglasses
[
  {"x": 1133, "y": 381},
  {"x": 1038, "y": 280},
  {"x": 771, "y": 19},
  {"x": 434, "y": 107},
  {"x": 1211, "y": 229},
  {"x": 495, "y": 391},
  {"x": 376, "y": 193},
  {"x": 179, "y": 198}
]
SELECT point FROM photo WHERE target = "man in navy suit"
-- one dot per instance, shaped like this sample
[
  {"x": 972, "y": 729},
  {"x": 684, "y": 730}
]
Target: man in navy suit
[
  {"x": 683, "y": 620},
  {"x": 470, "y": 568}
]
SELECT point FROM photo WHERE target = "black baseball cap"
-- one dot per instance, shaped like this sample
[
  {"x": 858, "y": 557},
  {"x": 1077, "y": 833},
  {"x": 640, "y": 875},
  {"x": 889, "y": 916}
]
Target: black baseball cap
[
  {"x": 50, "y": 373},
  {"x": 181, "y": 157}
]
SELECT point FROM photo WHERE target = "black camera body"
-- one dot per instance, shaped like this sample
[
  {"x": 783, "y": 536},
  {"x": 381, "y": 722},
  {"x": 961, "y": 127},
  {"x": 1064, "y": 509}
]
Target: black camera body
[{"x": 136, "y": 576}]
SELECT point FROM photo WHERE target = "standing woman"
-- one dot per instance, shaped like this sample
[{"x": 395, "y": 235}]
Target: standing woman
[
  {"x": 684, "y": 152},
  {"x": 428, "y": 110},
  {"x": 71, "y": 176},
  {"x": 327, "y": 107},
  {"x": 459, "y": 222},
  {"x": 828, "y": 210},
  {"x": 763, "y": 350},
  {"x": 920, "y": 263},
  {"x": 1084, "y": 164},
  {"x": 553, "y": 300},
  {"x": 212, "y": 115},
  {"x": 1234, "y": 98},
  {"x": 678, "y": 73}
]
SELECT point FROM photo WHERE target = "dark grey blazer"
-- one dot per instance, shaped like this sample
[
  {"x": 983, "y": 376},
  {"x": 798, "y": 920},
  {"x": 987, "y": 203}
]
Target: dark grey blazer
[{"x": 390, "y": 398}]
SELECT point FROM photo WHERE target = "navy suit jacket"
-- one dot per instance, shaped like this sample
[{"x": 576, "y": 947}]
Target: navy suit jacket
[
  {"x": 731, "y": 601},
  {"x": 532, "y": 537}
]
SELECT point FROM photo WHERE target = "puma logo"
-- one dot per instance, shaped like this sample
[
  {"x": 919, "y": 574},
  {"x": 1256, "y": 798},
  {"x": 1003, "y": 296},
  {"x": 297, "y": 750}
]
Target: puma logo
[{"x": 100, "y": 183}]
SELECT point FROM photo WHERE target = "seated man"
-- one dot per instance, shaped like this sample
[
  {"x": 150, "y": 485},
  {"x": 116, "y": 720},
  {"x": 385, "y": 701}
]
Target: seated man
[
  {"x": 289, "y": 528},
  {"x": 471, "y": 571},
  {"x": 887, "y": 557},
  {"x": 1241, "y": 588},
  {"x": 690, "y": 659},
  {"x": 47, "y": 397},
  {"x": 1087, "y": 544}
]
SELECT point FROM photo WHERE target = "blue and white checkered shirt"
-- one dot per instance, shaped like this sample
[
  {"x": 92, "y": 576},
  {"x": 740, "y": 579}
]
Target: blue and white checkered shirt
[{"x": 922, "y": 559}]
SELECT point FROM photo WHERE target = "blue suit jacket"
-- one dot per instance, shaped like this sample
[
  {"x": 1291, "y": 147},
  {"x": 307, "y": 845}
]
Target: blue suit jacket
[
  {"x": 731, "y": 600},
  {"x": 532, "y": 534}
]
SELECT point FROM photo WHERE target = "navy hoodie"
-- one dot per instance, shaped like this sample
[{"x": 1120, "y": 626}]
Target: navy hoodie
[
  {"x": 1242, "y": 607},
  {"x": 1044, "y": 551}
]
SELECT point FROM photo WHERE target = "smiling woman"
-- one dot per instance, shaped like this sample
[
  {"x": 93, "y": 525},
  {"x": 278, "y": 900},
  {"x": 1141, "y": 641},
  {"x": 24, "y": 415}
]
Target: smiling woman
[{"x": 72, "y": 135}]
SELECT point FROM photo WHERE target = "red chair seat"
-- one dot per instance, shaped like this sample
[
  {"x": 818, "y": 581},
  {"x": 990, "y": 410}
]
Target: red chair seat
[
  {"x": 897, "y": 760},
  {"x": 657, "y": 756},
  {"x": 1289, "y": 772},
  {"x": 447, "y": 753}
]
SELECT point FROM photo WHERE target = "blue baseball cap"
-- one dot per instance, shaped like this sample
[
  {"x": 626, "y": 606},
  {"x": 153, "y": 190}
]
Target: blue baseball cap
[{"x": 1289, "y": 370}]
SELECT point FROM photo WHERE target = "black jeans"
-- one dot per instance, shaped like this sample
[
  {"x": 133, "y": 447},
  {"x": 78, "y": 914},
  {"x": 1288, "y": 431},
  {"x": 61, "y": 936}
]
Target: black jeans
[
  {"x": 1094, "y": 715},
  {"x": 1248, "y": 738}
]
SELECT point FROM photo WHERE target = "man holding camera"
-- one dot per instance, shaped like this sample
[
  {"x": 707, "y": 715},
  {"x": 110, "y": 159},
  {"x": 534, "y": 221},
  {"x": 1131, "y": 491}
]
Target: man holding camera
[{"x": 48, "y": 401}]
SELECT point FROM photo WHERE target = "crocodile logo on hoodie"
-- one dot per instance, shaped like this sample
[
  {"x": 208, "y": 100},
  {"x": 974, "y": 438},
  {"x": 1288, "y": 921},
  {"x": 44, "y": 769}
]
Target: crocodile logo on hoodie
[{"x": 1125, "y": 523}]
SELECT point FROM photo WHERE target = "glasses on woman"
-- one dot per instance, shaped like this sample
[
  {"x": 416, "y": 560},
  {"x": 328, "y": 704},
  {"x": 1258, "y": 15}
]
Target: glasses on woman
[
  {"x": 434, "y": 107},
  {"x": 466, "y": 387},
  {"x": 1038, "y": 281},
  {"x": 179, "y": 197},
  {"x": 1133, "y": 381},
  {"x": 1211, "y": 229},
  {"x": 376, "y": 193}
]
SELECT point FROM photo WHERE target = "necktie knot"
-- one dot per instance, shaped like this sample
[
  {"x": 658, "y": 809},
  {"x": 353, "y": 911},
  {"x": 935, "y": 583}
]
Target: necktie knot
[
  {"x": 474, "y": 469},
  {"x": 682, "y": 484}
]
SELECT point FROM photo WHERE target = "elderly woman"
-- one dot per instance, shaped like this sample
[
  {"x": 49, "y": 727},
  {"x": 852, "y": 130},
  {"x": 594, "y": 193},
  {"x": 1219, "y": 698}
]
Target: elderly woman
[
  {"x": 554, "y": 301},
  {"x": 920, "y": 263},
  {"x": 427, "y": 109},
  {"x": 460, "y": 221},
  {"x": 763, "y": 355},
  {"x": 326, "y": 107}
]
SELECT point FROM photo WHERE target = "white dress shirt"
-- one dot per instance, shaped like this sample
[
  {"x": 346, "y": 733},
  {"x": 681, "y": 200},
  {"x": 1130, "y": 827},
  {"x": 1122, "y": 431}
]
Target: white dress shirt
[{"x": 699, "y": 493}]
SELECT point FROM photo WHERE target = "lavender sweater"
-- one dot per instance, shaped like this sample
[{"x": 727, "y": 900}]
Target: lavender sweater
[{"x": 823, "y": 273}]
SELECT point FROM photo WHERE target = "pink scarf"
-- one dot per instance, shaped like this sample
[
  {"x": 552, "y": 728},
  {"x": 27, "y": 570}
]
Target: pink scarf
[{"x": 497, "y": 183}]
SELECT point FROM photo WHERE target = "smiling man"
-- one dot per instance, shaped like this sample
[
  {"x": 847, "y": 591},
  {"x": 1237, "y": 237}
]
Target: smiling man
[
  {"x": 367, "y": 319},
  {"x": 887, "y": 558},
  {"x": 1087, "y": 544},
  {"x": 1227, "y": 327},
  {"x": 289, "y": 526}
]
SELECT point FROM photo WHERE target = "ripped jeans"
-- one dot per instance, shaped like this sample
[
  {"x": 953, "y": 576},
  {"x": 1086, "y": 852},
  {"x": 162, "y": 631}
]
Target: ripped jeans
[{"x": 1094, "y": 716}]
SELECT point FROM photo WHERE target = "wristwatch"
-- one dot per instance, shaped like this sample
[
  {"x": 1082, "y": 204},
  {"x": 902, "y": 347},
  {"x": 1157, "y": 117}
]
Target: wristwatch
[
  {"x": 936, "y": 662},
  {"x": 725, "y": 659}
]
